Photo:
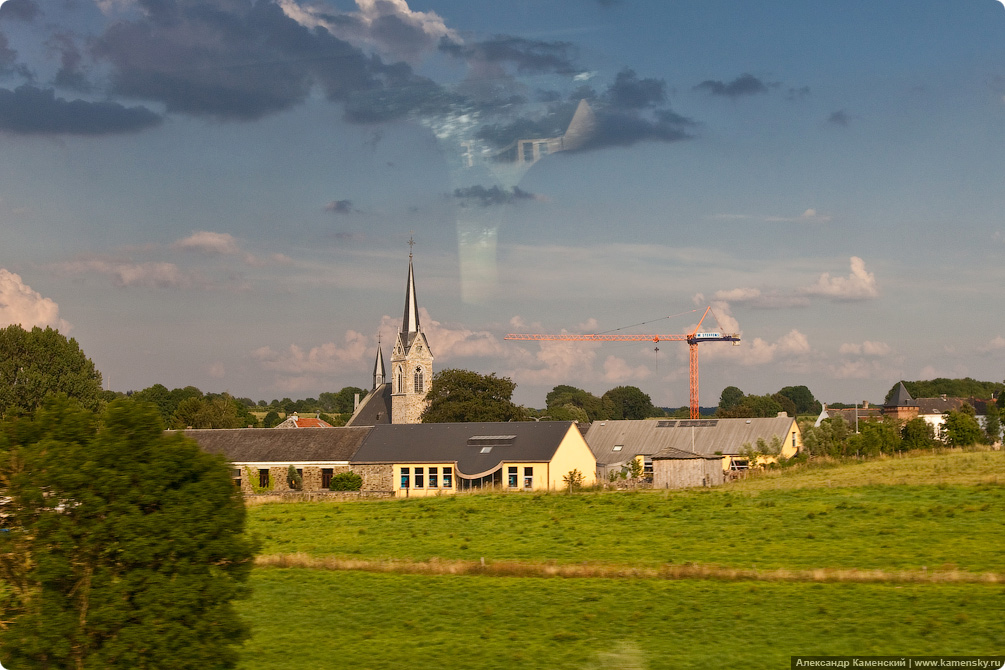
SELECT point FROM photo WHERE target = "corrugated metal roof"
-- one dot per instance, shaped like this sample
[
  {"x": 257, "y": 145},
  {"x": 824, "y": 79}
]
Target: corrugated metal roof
[
  {"x": 727, "y": 436},
  {"x": 530, "y": 442},
  {"x": 266, "y": 445}
]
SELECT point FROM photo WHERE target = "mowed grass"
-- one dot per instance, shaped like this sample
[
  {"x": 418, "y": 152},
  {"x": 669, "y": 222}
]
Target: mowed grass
[
  {"x": 875, "y": 527},
  {"x": 305, "y": 619}
]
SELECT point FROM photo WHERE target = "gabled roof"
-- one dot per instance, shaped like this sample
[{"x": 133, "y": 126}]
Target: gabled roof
[
  {"x": 941, "y": 405},
  {"x": 374, "y": 409},
  {"x": 901, "y": 398},
  {"x": 673, "y": 453},
  {"x": 475, "y": 448},
  {"x": 649, "y": 437},
  {"x": 266, "y": 445},
  {"x": 294, "y": 421}
]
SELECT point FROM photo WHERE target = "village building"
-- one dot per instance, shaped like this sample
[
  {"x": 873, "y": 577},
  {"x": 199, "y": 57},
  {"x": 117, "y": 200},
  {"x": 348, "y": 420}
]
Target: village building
[
  {"x": 617, "y": 443},
  {"x": 296, "y": 421}
]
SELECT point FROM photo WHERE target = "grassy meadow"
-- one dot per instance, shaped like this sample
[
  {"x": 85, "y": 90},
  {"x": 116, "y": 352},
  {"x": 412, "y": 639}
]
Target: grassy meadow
[{"x": 851, "y": 517}]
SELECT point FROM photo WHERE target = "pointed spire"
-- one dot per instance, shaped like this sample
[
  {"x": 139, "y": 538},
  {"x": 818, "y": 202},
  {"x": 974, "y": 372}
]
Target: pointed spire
[
  {"x": 410, "y": 322},
  {"x": 378, "y": 367}
]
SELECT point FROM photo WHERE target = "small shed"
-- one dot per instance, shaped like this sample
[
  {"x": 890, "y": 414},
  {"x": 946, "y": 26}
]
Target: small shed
[{"x": 677, "y": 469}]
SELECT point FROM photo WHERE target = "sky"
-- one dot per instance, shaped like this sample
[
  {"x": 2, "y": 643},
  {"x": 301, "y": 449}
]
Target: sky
[{"x": 221, "y": 193}]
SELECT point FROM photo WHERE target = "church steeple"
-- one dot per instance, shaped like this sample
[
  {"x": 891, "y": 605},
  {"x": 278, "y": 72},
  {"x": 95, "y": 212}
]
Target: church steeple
[
  {"x": 378, "y": 367},
  {"x": 410, "y": 322}
]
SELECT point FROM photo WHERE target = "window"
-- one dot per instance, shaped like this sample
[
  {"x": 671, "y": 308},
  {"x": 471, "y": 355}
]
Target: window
[
  {"x": 433, "y": 472},
  {"x": 528, "y": 478},
  {"x": 513, "y": 477},
  {"x": 419, "y": 478},
  {"x": 405, "y": 478},
  {"x": 263, "y": 478},
  {"x": 448, "y": 478},
  {"x": 401, "y": 382},
  {"x": 418, "y": 380},
  {"x": 326, "y": 477},
  {"x": 793, "y": 438},
  {"x": 485, "y": 450},
  {"x": 237, "y": 477},
  {"x": 618, "y": 447}
]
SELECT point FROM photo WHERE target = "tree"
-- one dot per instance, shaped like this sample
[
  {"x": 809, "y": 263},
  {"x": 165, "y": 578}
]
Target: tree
[
  {"x": 573, "y": 480},
  {"x": 568, "y": 403},
  {"x": 954, "y": 388},
  {"x": 294, "y": 480},
  {"x": 271, "y": 419},
  {"x": 917, "y": 434},
  {"x": 462, "y": 395},
  {"x": 731, "y": 397},
  {"x": 993, "y": 423},
  {"x": 36, "y": 363},
  {"x": 752, "y": 406},
  {"x": 629, "y": 402},
  {"x": 343, "y": 402},
  {"x": 961, "y": 428},
  {"x": 125, "y": 545},
  {"x": 803, "y": 400}
]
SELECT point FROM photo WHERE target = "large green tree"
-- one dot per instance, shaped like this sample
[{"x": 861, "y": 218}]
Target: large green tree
[
  {"x": 37, "y": 363},
  {"x": 567, "y": 403},
  {"x": 961, "y": 428},
  {"x": 462, "y": 395},
  {"x": 802, "y": 398},
  {"x": 124, "y": 547},
  {"x": 629, "y": 402},
  {"x": 342, "y": 402},
  {"x": 954, "y": 388}
]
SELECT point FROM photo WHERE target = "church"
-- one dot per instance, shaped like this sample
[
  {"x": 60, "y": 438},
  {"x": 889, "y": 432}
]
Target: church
[{"x": 402, "y": 398}]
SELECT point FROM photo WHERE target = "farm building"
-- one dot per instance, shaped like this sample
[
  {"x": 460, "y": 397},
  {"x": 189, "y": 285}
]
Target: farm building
[
  {"x": 676, "y": 469},
  {"x": 617, "y": 443}
]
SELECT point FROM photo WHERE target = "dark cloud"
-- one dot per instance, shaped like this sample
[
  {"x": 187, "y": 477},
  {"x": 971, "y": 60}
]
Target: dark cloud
[
  {"x": 745, "y": 84},
  {"x": 487, "y": 197},
  {"x": 799, "y": 92},
  {"x": 70, "y": 75},
  {"x": 8, "y": 57},
  {"x": 32, "y": 111},
  {"x": 339, "y": 207},
  {"x": 527, "y": 55},
  {"x": 630, "y": 92},
  {"x": 619, "y": 128},
  {"x": 25, "y": 10},
  {"x": 238, "y": 60},
  {"x": 839, "y": 118}
]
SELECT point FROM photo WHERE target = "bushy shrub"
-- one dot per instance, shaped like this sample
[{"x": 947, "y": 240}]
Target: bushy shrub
[{"x": 346, "y": 481}]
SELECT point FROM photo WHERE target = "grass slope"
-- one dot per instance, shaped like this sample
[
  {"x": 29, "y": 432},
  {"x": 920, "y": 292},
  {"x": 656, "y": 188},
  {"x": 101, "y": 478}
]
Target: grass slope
[{"x": 315, "y": 619}]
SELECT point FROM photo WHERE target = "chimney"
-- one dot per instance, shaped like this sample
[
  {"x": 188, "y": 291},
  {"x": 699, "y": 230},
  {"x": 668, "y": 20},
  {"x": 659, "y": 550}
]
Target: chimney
[{"x": 355, "y": 402}]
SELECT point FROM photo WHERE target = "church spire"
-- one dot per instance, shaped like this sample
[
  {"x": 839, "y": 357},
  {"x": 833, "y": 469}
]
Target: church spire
[
  {"x": 410, "y": 322},
  {"x": 378, "y": 367}
]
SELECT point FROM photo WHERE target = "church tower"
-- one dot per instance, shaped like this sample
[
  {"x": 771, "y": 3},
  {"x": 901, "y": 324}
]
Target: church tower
[
  {"x": 411, "y": 361},
  {"x": 378, "y": 367}
]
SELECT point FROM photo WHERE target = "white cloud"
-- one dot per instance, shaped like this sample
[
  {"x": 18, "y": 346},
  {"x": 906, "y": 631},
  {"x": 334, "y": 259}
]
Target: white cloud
[
  {"x": 859, "y": 285},
  {"x": 738, "y": 295},
  {"x": 808, "y": 216},
  {"x": 618, "y": 371},
  {"x": 792, "y": 345},
  {"x": 19, "y": 304},
  {"x": 996, "y": 344},
  {"x": 127, "y": 273},
  {"x": 867, "y": 348},
  {"x": 217, "y": 371},
  {"x": 209, "y": 242}
]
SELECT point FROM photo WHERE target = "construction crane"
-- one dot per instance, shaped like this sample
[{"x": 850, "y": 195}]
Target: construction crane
[{"x": 693, "y": 339}]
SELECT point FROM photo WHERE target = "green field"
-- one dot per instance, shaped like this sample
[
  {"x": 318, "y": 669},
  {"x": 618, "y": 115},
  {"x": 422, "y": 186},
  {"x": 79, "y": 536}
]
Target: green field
[{"x": 800, "y": 520}]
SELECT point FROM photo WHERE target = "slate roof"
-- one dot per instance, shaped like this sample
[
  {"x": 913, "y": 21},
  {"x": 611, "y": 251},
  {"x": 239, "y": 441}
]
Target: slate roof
[
  {"x": 942, "y": 405},
  {"x": 649, "y": 437},
  {"x": 464, "y": 444},
  {"x": 901, "y": 398},
  {"x": 374, "y": 409},
  {"x": 265, "y": 445}
]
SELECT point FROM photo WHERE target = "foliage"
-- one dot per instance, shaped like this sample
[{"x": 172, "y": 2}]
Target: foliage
[
  {"x": 954, "y": 388},
  {"x": 568, "y": 403},
  {"x": 829, "y": 439},
  {"x": 36, "y": 363},
  {"x": 633, "y": 468},
  {"x": 961, "y": 428},
  {"x": 874, "y": 438},
  {"x": 125, "y": 546},
  {"x": 918, "y": 434},
  {"x": 294, "y": 480},
  {"x": 272, "y": 419},
  {"x": 212, "y": 411},
  {"x": 573, "y": 480},
  {"x": 731, "y": 397},
  {"x": 803, "y": 399},
  {"x": 346, "y": 481},
  {"x": 462, "y": 395},
  {"x": 253, "y": 481},
  {"x": 342, "y": 402},
  {"x": 752, "y": 406},
  {"x": 629, "y": 402},
  {"x": 993, "y": 424}
]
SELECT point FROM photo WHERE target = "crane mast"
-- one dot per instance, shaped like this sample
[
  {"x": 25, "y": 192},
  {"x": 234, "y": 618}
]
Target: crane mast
[{"x": 693, "y": 339}]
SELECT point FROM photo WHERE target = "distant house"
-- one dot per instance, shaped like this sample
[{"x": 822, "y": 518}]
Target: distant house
[
  {"x": 408, "y": 459},
  {"x": 296, "y": 421},
  {"x": 933, "y": 410},
  {"x": 436, "y": 458},
  {"x": 262, "y": 456},
  {"x": 617, "y": 443},
  {"x": 852, "y": 415}
]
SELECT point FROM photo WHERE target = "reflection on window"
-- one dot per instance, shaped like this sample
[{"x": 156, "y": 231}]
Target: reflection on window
[
  {"x": 433, "y": 477},
  {"x": 448, "y": 478},
  {"x": 405, "y": 479},
  {"x": 513, "y": 477},
  {"x": 528, "y": 478}
]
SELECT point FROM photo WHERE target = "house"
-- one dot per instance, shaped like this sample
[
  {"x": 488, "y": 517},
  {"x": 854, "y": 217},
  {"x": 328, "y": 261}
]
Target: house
[
  {"x": 296, "y": 421},
  {"x": 262, "y": 456},
  {"x": 933, "y": 410},
  {"x": 852, "y": 415},
  {"x": 437, "y": 458},
  {"x": 616, "y": 443}
]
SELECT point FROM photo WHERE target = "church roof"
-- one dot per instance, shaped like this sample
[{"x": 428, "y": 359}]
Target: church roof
[
  {"x": 378, "y": 367},
  {"x": 901, "y": 398},
  {"x": 410, "y": 320},
  {"x": 374, "y": 409}
]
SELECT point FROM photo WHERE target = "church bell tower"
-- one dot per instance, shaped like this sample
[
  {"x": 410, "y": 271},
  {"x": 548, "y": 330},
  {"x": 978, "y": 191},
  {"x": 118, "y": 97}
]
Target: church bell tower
[{"x": 411, "y": 361}]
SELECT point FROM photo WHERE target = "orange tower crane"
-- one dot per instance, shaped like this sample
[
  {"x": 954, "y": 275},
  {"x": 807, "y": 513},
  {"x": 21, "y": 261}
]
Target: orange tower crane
[{"x": 693, "y": 339}]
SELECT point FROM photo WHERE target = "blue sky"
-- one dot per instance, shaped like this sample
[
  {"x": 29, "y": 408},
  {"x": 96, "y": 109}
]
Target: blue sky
[{"x": 221, "y": 192}]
